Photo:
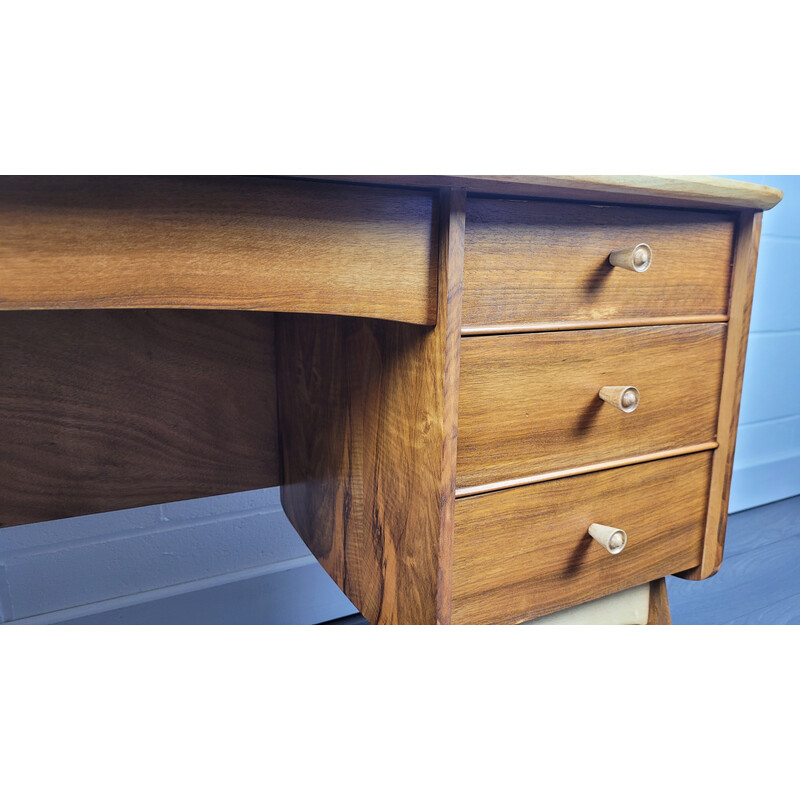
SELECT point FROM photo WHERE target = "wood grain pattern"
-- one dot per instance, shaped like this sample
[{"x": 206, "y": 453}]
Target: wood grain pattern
[
  {"x": 529, "y": 404},
  {"x": 703, "y": 191},
  {"x": 110, "y": 409},
  {"x": 741, "y": 303},
  {"x": 535, "y": 262},
  {"x": 103, "y": 410},
  {"x": 525, "y": 552},
  {"x": 367, "y": 412},
  {"x": 658, "y": 611},
  {"x": 451, "y": 277},
  {"x": 233, "y": 243}
]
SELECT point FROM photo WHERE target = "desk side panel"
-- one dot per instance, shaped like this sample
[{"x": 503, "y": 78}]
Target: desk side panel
[
  {"x": 367, "y": 415},
  {"x": 740, "y": 309},
  {"x": 361, "y": 437}
]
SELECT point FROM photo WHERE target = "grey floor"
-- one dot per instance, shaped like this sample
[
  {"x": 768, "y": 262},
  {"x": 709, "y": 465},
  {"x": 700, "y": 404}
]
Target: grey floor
[
  {"x": 758, "y": 584},
  {"x": 759, "y": 581}
]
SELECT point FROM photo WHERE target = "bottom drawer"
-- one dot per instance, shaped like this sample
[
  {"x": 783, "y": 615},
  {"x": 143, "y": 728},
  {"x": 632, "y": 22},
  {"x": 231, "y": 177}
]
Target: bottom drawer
[{"x": 525, "y": 552}]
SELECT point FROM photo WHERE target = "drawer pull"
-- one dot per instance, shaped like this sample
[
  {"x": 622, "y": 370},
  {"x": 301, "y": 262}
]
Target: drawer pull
[
  {"x": 613, "y": 539},
  {"x": 636, "y": 258},
  {"x": 625, "y": 398}
]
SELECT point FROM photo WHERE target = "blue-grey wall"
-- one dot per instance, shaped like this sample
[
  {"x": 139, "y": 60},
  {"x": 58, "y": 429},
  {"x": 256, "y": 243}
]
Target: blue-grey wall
[
  {"x": 237, "y": 559},
  {"x": 767, "y": 463}
]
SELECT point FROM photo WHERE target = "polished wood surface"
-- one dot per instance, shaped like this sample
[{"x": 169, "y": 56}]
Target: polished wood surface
[
  {"x": 445, "y": 470},
  {"x": 368, "y": 436},
  {"x": 530, "y": 403},
  {"x": 702, "y": 191},
  {"x": 448, "y": 343},
  {"x": 744, "y": 275},
  {"x": 658, "y": 611},
  {"x": 531, "y": 262},
  {"x": 525, "y": 552},
  {"x": 362, "y": 457},
  {"x": 233, "y": 243},
  {"x": 103, "y": 410}
]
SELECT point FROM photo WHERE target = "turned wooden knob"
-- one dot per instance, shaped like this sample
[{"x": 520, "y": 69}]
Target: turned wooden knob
[
  {"x": 613, "y": 539},
  {"x": 625, "y": 398},
  {"x": 636, "y": 258}
]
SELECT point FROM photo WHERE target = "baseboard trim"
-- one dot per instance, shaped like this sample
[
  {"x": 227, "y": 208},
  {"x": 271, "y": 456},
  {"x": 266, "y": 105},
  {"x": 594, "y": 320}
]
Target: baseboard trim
[
  {"x": 763, "y": 483},
  {"x": 296, "y": 592},
  {"x": 153, "y": 552}
]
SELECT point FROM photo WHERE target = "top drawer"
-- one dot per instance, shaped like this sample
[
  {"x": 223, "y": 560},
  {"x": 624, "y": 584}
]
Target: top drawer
[{"x": 533, "y": 264}]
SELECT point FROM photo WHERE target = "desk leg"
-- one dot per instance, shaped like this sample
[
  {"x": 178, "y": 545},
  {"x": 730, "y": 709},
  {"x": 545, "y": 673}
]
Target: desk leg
[{"x": 659, "y": 613}]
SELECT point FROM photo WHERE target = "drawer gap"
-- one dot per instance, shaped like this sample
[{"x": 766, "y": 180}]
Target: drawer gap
[
  {"x": 544, "y": 327},
  {"x": 469, "y": 491}
]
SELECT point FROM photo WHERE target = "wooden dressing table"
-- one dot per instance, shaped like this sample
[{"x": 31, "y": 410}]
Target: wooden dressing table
[{"x": 486, "y": 399}]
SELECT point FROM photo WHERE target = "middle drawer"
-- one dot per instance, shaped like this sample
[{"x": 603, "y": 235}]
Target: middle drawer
[{"x": 529, "y": 403}]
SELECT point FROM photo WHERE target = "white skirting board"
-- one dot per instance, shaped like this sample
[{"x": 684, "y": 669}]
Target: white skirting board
[
  {"x": 220, "y": 560},
  {"x": 290, "y": 593}
]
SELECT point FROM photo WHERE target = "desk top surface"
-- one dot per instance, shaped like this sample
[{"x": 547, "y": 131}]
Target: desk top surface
[{"x": 684, "y": 190}]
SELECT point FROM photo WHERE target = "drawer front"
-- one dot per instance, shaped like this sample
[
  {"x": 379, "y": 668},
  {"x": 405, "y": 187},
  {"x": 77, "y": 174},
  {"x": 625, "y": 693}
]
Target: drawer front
[
  {"x": 529, "y": 403},
  {"x": 525, "y": 552},
  {"x": 532, "y": 263}
]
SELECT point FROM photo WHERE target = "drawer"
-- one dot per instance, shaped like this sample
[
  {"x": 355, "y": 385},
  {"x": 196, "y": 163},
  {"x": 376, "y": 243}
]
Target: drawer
[
  {"x": 524, "y": 552},
  {"x": 533, "y": 263},
  {"x": 529, "y": 403}
]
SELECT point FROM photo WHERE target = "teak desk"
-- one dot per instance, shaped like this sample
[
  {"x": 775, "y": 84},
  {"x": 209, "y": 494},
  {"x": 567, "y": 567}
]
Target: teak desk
[{"x": 485, "y": 398}]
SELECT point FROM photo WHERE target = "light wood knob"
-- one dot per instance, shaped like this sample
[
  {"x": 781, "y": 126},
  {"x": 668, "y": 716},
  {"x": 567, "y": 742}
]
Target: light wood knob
[
  {"x": 636, "y": 258},
  {"x": 625, "y": 398},
  {"x": 613, "y": 539}
]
